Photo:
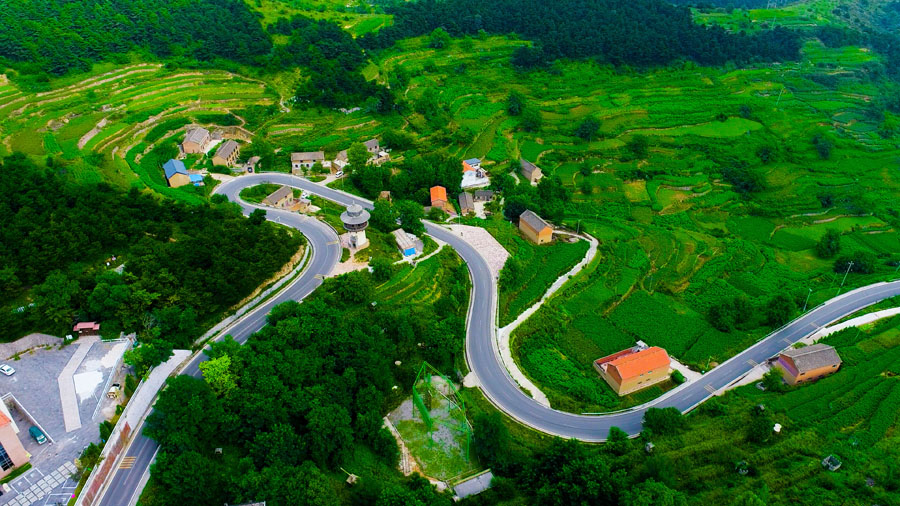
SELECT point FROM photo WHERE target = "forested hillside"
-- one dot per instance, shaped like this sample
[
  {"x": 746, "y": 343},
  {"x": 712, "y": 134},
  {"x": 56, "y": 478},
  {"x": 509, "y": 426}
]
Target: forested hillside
[
  {"x": 637, "y": 32},
  {"x": 183, "y": 266},
  {"x": 59, "y": 35}
]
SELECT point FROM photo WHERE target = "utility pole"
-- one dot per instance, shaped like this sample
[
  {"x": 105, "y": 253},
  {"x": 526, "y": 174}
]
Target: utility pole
[
  {"x": 807, "y": 300},
  {"x": 850, "y": 266}
]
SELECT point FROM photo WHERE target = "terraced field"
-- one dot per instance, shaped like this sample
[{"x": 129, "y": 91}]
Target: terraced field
[{"x": 108, "y": 115}]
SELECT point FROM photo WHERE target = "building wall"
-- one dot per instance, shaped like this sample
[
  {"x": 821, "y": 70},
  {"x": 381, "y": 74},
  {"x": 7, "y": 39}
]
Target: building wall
[
  {"x": 13, "y": 447},
  {"x": 218, "y": 160},
  {"x": 535, "y": 175},
  {"x": 633, "y": 384},
  {"x": 791, "y": 377},
  {"x": 179, "y": 180},
  {"x": 191, "y": 147},
  {"x": 542, "y": 237}
]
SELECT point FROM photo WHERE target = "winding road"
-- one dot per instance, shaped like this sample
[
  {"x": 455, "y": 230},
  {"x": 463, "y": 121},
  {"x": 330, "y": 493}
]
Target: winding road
[{"x": 482, "y": 353}]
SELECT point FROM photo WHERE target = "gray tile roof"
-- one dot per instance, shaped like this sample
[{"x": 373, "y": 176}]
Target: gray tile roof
[
  {"x": 466, "y": 201},
  {"x": 484, "y": 195},
  {"x": 225, "y": 150},
  {"x": 813, "y": 357},
  {"x": 534, "y": 221},
  {"x": 528, "y": 168},
  {"x": 275, "y": 196},
  {"x": 372, "y": 144},
  {"x": 308, "y": 155},
  {"x": 197, "y": 135}
]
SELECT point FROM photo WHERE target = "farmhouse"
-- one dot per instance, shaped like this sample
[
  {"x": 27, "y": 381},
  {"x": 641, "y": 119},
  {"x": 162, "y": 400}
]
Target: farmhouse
[
  {"x": 808, "y": 363},
  {"x": 439, "y": 199},
  {"x": 633, "y": 369},
  {"x": 379, "y": 156},
  {"x": 195, "y": 140},
  {"x": 87, "y": 329},
  {"x": 176, "y": 174},
  {"x": 282, "y": 198},
  {"x": 372, "y": 146},
  {"x": 531, "y": 172},
  {"x": 466, "y": 203},
  {"x": 305, "y": 160},
  {"x": 227, "y": 154},
  {"x": 341, "y": 160},
  {"x": 12, "y": 453},
  {"x": 484, "y": 196},
  {"x": 535, "y": 228}
]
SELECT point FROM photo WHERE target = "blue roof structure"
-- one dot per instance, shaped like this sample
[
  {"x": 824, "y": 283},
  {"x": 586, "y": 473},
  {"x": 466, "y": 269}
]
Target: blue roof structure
[
  {"x": 173, "y": 167},
  {"x": 196, "y": 178},
  {"x": 474, "y": 161}
]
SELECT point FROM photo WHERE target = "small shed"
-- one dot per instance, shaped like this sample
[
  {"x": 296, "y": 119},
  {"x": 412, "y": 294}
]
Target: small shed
[
  {"x": 404, "y": 242},
  {"x": 87, "y": 328},
  {"x": 831, "y": 462}
]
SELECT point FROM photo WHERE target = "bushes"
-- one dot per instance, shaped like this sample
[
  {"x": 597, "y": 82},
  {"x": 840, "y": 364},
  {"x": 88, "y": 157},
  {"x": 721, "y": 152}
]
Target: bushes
[
  {"x": 861, "y": 262},
  {"x": 829, "y": 245},
  {"x": 665, "y": 421},
  {"x": 677, "y": 377}
]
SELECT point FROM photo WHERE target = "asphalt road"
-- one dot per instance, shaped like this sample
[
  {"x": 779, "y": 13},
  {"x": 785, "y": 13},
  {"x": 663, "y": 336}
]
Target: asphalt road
[
  {"x": 326, "y": 252},
  {"x": 482, "y": 354}
]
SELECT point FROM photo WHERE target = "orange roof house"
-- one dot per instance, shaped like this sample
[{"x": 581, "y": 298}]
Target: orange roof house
[
  {"x": 438, "y": 194},
  {"x": 634, "y": 369}
]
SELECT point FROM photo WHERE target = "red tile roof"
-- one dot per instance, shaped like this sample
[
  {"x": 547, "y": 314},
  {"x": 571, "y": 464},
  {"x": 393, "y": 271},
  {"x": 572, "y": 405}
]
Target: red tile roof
[
  {"x": 87, "y": 326},
  {"x": 438, "y": 193},
  {"x": 631, "y": 365}
]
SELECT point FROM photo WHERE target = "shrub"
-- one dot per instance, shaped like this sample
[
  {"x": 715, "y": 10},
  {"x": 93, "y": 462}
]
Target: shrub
[
  {"x": 829, "y": 245},
  {"x": 677, "y": 377},
  {"x": 664, "y": 421}
]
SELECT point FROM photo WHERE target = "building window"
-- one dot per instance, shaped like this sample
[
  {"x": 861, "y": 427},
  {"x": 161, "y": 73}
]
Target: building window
[{"x": 6, "y": 463}]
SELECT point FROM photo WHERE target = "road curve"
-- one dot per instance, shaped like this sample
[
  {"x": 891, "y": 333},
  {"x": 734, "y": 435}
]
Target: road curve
[
  {"x": 326, "y": 252},
  {"x": 483, "y": 357},
  {"x": 481, "y": 349}
]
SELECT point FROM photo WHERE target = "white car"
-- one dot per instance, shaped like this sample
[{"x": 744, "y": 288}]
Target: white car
[
  {"x": 339, "y": 174},
  {"x": 7, "y": 370}
]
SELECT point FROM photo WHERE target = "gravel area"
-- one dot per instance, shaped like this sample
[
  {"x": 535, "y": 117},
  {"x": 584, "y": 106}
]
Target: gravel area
[{"x": 485, "y": 243}]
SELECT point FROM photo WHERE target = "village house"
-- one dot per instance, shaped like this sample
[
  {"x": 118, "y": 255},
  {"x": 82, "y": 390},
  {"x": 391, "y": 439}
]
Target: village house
[
  {"x": 12, "y": 453},
  {"x": 471, "y": 164},
  {"x": 531, "y": 172},
  {"x": 439, "y": 199},
  {"x": 87, "y": 329},
  {"x": 227, "y": 154},
  {"x": 195, "y": 140},
  {"x": 341, "y": 160},
  {"x": 809, "y": 363},
  {"x": 373, "y": 146},
  {"x": 466, "y": 203},
  {"x": 305, "y": 160},
  {"x": 634, "y": 369},
  {"x": 535, "y": 228},
  {"x": 484, "y": 195},
  {"x": 176, "y": 174},
  {"x": 282, "y": 198}
]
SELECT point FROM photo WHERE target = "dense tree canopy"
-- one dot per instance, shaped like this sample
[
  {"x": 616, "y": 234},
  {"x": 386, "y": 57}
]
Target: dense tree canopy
[
  {"x": 59, "y": 35},
  {"x": 633, "y": 32},
  {"x": 182, "y": 265}
]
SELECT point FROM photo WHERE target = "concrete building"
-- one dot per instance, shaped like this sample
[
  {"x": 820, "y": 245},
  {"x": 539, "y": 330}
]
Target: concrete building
[
  {"x": 355, "y": 220},
  {"x": 227, "y": 154},
  {"x": 471, "y": 164},
  {"x": 373, "y": 146},
  {"x": 12, "y": 453},
  {"x": 282, "y": 198},
  {"x": 87, "y": 329},
  {"x": 809, "y": 363},
  {"x": 634, "y": 369},
  {"x": 195, "y": 140},
  {"x": 176, "y": 174},
  {"x": 531, "y": 172},
  {"x": 305, "y": 160},
  {"x": 466, "y": 203},
  {"x": 535, "y": 228}
]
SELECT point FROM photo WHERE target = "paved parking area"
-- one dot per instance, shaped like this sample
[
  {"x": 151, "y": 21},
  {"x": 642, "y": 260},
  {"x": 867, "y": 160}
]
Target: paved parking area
[{"x": 40, "y": 376}]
